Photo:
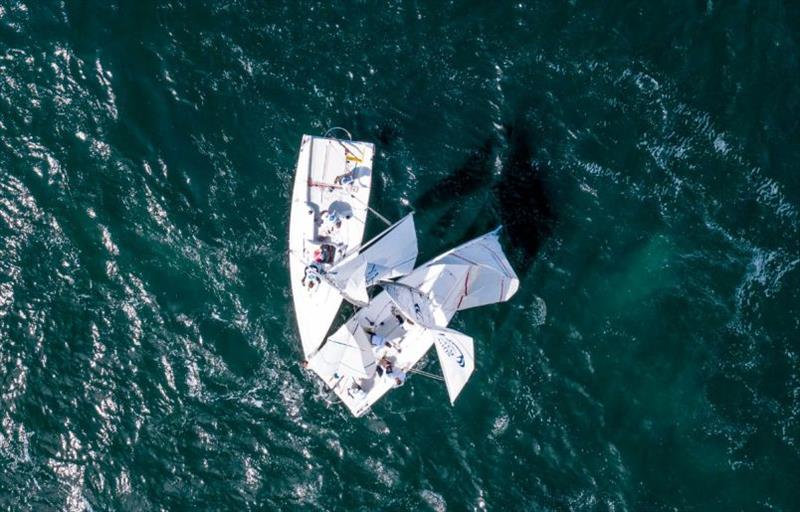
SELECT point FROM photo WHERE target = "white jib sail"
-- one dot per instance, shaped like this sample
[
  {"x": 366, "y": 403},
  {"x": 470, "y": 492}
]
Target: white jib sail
[
  {"x": 416, "y": 305},
  {"x": 355, "y": 287},
  {"x": 346, "y": 353},
  {"x": 456, "y": 353},
  {"x": 391, "y": 254}
]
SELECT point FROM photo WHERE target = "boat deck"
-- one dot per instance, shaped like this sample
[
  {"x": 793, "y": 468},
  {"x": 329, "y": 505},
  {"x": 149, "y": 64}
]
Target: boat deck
[
  {"x": 406, "y": 349},
  {"x": 331, "y": 175}
]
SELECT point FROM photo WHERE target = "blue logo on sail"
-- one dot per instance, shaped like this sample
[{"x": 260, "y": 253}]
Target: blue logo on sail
[
  {"x": 372, "y": 274},
  {"x": 452, "y": 350}
]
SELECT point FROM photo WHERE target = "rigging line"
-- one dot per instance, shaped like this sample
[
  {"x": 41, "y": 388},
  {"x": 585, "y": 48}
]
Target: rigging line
[
  {"x": 322, "y": 184},
  {"x": 426, "y": 374},
  {"x": 368, "y": 207},
  {"x": 297, "y": 257},
  {"x": 348, "y": 152},
  {"x": 336, "y": 385}
]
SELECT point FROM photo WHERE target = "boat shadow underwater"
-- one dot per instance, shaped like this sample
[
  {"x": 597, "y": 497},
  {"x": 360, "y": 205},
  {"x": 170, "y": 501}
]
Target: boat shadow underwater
[{"x": 517, "y": 196}]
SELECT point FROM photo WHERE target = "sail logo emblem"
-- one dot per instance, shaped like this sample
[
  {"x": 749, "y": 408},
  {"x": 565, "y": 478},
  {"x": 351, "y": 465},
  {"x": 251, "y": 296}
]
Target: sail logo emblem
[
  {"x": 452, "y": 350},
  {"x": 371, "y": 273}
]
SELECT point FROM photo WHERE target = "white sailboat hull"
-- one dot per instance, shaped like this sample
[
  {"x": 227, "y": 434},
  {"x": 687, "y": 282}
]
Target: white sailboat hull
[
  {"x": 318, "y": 188},
  {"x": 405, "y": 335}
]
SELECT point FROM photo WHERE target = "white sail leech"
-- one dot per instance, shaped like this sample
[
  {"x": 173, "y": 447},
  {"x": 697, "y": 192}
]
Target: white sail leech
[
  {"x": 490, "y": 278},
  {"x": 474, "y": 274}
]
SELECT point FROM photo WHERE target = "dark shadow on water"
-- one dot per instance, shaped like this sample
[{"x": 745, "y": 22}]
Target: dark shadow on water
[
  {"x": 522, "y": 196},
  {"x": 518, "y": 198},
  {"x": 387, "y": 133},
  {"x": 474, "y": 174}
]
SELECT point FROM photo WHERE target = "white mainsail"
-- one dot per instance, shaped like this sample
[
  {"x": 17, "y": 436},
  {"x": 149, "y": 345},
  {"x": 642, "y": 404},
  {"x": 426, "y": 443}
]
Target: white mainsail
[
  {"x": 474, "y": 274},
  {"x": 456, "y": 353},
  {"x": 389, "y": 255},
  {"x": 347, "y": 352},
  {"x": 490, "y": 277},
  {"x": 354, "y": 288}
]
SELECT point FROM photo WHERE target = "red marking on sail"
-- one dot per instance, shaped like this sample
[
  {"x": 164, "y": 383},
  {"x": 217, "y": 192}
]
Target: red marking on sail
[{"x": 466, "y": 283}]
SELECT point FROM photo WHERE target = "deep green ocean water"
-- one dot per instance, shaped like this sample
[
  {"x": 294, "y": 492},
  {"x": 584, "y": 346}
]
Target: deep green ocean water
[{"x": 642, "y": 155}]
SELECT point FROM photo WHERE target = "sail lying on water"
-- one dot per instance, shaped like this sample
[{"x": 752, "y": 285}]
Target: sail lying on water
[{"x": 389, "y": 255}]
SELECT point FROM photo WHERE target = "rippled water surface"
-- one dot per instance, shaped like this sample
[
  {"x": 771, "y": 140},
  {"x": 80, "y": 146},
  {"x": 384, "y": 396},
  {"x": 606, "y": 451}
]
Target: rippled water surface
[{"x": 643, "y": 157}]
